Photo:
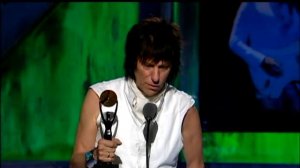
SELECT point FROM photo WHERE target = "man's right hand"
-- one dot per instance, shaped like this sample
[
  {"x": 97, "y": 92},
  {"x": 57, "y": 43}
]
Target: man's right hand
[
  {"x": 106, "y": 149},
  {"x": 270, "y": 66}
]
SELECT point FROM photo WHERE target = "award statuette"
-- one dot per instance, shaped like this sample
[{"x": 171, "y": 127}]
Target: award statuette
[{"x": 108, "y": 98}]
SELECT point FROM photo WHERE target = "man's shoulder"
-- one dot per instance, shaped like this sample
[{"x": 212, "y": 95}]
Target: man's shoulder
[
  {"x": 113, "y": 84},
  {"x": 180, "y": 98},
  {"x": 177, "y": 93}
]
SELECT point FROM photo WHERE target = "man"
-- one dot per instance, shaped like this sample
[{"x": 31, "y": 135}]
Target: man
[
  {"x": 266, "y": 36},
  {"x": 152, "y": 62}
]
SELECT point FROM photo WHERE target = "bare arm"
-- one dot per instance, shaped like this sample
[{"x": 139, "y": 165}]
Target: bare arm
[
  {"x": 87, "y": 129},
  {"x": 192, "y": 139}
]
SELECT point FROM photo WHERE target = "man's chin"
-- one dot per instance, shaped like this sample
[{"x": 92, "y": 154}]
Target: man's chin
[{"x": 152, "y": 92}]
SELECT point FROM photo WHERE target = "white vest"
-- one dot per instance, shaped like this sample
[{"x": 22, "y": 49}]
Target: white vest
[{"x": 168, "y": 141}]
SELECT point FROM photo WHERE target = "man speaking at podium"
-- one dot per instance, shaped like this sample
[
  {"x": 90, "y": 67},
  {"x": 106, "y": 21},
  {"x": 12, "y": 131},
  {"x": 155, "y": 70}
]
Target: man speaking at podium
[{"x": 154, "y": 120}]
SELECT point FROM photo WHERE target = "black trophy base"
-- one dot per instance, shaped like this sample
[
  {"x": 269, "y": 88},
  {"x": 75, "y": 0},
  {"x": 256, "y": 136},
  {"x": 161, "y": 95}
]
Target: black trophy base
[{"x": 105, "y": 165}]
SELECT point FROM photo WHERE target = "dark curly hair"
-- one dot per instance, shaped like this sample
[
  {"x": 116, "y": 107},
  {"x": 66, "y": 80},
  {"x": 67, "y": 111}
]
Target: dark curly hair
[{"x": 156, "y": 40}]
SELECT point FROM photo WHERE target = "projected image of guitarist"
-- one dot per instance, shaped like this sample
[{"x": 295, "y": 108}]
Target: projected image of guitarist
[{"x": 266, "y": 36}]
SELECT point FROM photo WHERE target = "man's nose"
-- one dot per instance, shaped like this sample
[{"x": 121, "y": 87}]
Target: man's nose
[{"x": 155, "y": 75}]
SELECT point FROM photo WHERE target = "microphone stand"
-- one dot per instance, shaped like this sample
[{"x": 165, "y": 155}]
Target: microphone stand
[{"x": 147, "y": 143}]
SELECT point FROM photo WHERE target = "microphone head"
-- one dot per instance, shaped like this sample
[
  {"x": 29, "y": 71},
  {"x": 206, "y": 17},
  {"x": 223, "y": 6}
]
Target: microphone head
[{"x": 149, "y": 111}]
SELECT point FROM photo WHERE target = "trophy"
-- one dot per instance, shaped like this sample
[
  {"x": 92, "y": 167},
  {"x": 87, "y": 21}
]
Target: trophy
[{"x": 108, "y": 99}]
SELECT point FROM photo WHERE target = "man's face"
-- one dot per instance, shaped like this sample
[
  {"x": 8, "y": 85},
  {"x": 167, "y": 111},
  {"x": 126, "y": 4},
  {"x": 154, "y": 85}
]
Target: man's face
[{"x": 150, "y": 77}]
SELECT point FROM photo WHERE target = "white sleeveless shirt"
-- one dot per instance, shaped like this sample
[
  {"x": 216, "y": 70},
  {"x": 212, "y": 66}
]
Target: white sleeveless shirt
[{"x": 129, "y": 129}]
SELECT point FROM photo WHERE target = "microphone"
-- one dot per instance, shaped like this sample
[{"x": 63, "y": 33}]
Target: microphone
[
  {"x": 149, "y": 112},
  {"x": 108, "y": 98}
]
